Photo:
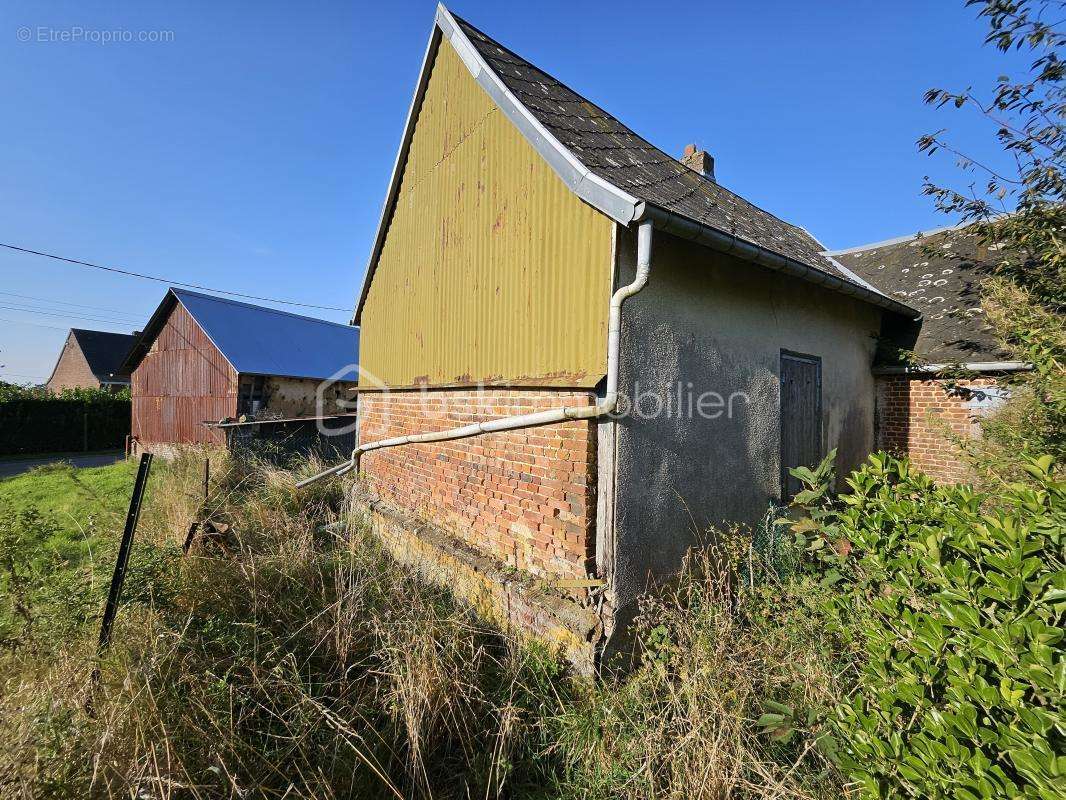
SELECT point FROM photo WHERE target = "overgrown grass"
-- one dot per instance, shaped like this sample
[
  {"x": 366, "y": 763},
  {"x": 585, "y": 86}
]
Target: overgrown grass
[{"x": 293, "y": 658}]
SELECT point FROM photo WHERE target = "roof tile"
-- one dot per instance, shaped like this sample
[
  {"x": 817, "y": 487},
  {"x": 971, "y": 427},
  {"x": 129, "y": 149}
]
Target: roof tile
[
  {"x": 938, "y": 273},
  {"x": 615, "y": 153}
]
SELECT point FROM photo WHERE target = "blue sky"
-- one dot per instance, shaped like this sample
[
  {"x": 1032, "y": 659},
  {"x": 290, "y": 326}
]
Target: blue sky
[{"x": 251, "y": 152}]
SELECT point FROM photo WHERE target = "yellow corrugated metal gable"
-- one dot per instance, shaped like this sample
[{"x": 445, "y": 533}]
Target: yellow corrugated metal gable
[{"x": 492, "y": 270}]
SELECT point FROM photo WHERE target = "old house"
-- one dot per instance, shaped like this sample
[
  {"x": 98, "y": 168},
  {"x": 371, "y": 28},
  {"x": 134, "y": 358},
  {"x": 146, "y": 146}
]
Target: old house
[
  {"x": 922, "y": 406},
  {"x": 92, "y": 360},
  {"x": 579, "y": 352},
  {"x": 203, "y": 359}
]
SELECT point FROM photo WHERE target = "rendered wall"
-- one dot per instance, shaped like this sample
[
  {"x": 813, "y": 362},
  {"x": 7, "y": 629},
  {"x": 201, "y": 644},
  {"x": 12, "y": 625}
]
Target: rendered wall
[
  {"x": 716, "y": 324},
  {"x": 298, "y": 397},
  {"x": 492, "y": 271}
]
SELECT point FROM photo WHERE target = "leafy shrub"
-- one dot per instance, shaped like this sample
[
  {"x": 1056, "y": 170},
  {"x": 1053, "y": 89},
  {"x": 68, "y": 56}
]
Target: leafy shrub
[
  {"x": 960, "y": 599},
  {"x": 12, "y": 391}
]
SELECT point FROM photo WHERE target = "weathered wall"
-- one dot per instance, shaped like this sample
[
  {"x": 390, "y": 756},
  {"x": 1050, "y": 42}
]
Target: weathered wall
[
  {"x": 181, "y": 382},
  {"x": 508, "y": 597},
  {"x": 917, "y": 417},
  {"x": 72, "y": 370},
  {"x": 715, "y": 324},
  {"x": 524, "y": 498},
  {"x": 297, "y": 397},
  {"x": 492, "y": 270}
]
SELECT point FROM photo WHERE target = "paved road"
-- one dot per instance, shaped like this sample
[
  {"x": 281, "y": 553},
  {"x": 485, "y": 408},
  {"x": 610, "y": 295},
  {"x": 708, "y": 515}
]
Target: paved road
[{"x": 16, "y": 466}]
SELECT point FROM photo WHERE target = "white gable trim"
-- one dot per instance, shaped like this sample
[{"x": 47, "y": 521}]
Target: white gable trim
[
  {"x": 916, "y": 236},
  {"x": 607, "y": 198}
]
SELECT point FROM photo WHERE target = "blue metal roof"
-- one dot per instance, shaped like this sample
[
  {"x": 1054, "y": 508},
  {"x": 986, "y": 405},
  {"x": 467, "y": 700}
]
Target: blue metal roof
[{"x": 264, "y": 341}]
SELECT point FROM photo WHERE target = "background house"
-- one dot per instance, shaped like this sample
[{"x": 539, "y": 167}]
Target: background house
[
  {"x": 511, "y": 218},
  {"x": 204, "y": 359},
  {"x": 92, "y": 360},
  {"x": 958, "y": 375}
]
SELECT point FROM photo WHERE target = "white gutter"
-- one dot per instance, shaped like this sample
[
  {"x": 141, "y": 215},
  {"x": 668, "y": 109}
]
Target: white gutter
[
  {"x": 972, "y": 366},
  {"x": 602, "y": 408},
  {"x": 731, "y": 244},
  {"x": 614, "y": 202}
]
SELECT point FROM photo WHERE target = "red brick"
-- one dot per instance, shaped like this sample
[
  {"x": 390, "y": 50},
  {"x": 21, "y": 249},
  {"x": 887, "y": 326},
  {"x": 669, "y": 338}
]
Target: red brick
[
  {"x": 917, "y": 418},
  {"x": 525, "y": 497}
]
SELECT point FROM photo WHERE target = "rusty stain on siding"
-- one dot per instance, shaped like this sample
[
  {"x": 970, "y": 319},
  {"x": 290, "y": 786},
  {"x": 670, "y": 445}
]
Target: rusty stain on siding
[
  {"x": 182, "y": 381},
  {"x": 491, "y": 266}
]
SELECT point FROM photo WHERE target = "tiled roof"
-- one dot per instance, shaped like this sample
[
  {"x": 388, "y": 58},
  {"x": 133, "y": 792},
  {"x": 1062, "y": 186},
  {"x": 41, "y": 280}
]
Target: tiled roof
[
  {"x": 939, "y": 274},
  {"x": 618, "y": 172},
  {"x": 622, "y": 158}
]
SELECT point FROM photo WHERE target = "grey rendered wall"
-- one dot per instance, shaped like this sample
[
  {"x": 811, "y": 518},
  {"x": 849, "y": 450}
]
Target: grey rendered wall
[{"x": 716, "y": 324}]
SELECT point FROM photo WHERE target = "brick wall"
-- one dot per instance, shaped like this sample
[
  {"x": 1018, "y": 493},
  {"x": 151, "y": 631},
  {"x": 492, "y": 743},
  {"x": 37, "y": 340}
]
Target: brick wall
[
  {"x": 507, "y": 597},
  {"x": 72, "y": 370},
  {"x": 917, "y": 417},
  {"x": 523, "y": 497}
]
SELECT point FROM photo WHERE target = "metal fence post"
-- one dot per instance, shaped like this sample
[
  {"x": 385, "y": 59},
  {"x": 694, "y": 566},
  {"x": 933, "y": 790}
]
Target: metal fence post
[{"x": 119, "y": 576}]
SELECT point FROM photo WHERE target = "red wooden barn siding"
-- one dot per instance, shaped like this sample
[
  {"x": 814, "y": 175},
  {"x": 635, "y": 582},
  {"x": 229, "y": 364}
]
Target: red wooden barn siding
[{"x": 182, "y": 381}]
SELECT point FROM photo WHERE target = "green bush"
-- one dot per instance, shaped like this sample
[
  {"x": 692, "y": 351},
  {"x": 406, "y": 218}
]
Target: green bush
[{"x": 959, "y": 599}]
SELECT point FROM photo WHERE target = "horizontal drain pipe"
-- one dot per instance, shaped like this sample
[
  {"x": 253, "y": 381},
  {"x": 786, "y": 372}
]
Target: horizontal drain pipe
[
  {"x": 972, "y": 366},
  {"x": 602, "y": 408}
]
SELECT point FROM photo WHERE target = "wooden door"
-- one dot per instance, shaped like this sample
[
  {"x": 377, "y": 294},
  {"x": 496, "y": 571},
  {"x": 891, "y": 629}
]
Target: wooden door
[{"x": 801, "y": 417}]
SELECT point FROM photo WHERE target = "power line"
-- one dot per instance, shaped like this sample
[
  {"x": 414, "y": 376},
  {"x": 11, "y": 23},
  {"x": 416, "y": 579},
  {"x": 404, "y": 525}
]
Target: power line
[
  {"x": 168, "y": 281},
  {"x": 15, "y": 305},
  {"x": 34, "y": 324},
  {"x": 68, "y": 303},
  {"x": 67, "y": 316}
]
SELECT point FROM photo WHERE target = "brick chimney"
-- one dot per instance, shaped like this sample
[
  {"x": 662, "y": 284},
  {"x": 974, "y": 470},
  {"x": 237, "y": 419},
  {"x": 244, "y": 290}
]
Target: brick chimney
[{"x": 698, "y": 160}]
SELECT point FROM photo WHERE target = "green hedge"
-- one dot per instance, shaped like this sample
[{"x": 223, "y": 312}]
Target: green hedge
[
  {"x": 32, "y": 421},
  {"x": 958, "y": 600}
]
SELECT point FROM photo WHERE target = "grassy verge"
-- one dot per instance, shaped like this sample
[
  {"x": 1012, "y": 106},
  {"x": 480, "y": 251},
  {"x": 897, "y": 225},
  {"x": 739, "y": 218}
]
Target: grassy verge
[
  {"x": 58, "y": 455},
  {"x": 294, "y": 659},
  {"x": 76, "y": 507},
  {"x": 69, "y": 492}
]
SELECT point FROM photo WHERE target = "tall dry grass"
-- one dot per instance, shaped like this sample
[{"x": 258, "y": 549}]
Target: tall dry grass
[{"x": 294, "y": 659}]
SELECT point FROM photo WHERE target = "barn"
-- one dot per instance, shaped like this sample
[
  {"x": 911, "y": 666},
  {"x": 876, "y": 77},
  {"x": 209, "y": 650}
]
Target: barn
[{"x": 204, "y": 359}]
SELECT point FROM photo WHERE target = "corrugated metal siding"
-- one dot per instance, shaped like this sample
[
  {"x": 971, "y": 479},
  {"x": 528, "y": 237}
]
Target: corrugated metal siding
[
  {"x": 180, "y": 383},
  {"x": 492, "y": 269}
]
